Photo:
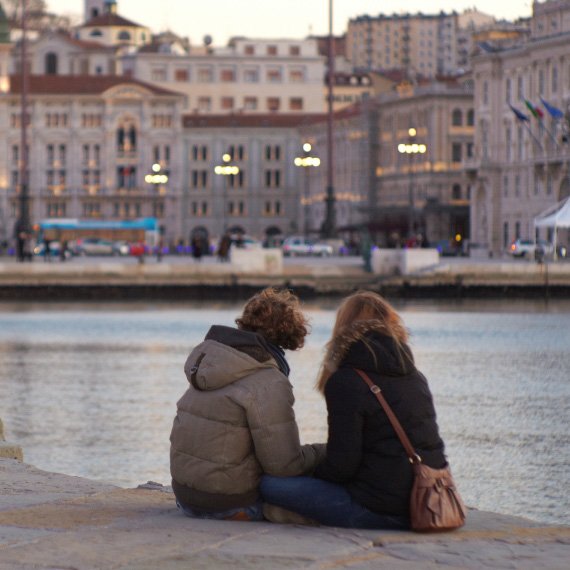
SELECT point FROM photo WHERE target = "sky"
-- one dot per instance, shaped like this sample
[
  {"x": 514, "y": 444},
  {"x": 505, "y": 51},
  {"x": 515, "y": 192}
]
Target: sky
[{"x": 223, "y": 19}]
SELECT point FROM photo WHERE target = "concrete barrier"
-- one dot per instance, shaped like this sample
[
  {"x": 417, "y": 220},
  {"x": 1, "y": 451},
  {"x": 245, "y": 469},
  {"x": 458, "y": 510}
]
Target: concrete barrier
[
  {"x": 403, "y": 261},
  {"x": 7, "y": 449},
  {"x": 266, "y": 261}
]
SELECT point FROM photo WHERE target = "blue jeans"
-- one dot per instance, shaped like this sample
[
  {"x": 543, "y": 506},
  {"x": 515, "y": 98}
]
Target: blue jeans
[
  {"x": 251, "y": 513},
  {"x": 328, "y": 503}
]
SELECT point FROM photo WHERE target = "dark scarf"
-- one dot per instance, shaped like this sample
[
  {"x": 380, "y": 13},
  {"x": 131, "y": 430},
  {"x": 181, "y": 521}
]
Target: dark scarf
[{"x": 279, "y": 355}]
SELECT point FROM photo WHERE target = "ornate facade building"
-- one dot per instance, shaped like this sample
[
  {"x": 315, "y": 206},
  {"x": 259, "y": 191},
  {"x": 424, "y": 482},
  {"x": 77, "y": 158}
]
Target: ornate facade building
[
  {"x": 521, "y": 165},
  {"x": 425, "y": 134}
]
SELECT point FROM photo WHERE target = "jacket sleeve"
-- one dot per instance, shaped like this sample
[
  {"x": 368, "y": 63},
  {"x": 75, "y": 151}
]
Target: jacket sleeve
[
  {"x": 275, "y": 434},
  {"x": 345, "y": 421}
]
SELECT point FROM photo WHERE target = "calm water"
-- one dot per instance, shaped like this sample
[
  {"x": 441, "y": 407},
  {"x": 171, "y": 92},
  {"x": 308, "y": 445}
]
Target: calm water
[{"x": 90, "y": 390}]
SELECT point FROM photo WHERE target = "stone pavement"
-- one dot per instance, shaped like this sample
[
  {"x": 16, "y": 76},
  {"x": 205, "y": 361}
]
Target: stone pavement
[{"x": 57, "y": 522}]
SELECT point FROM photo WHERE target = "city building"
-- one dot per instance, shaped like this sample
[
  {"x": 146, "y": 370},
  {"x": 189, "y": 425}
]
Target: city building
[
  {"x": 354, "y": 136},
  {"x": 521, "y": 165},
  {"x": 262, "y": 195},
  {"x": 92, "y": 140},
  {"x": 424, "y": 44},
  {"x": 425, "y": 136},
  {"x": 246, "y": 76}
]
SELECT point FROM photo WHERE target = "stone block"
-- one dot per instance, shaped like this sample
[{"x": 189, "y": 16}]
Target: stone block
[
  {"x": 268, "y": 261},
  {"x": 403, "y": 261},
  {"x": 7, "y": 449}
]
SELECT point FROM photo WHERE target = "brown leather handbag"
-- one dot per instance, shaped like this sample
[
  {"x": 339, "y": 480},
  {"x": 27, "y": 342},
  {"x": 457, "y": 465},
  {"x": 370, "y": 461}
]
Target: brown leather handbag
[{"x": 435, "y": 503}]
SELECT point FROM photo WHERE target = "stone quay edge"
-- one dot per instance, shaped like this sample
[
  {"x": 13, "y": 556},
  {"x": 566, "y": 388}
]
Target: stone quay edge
[
  {"x": 53, "y": 521},
  {"x": 182, "y": 281}
]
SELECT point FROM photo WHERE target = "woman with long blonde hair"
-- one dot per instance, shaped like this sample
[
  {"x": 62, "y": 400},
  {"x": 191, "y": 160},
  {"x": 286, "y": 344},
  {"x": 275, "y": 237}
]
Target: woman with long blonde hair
[{"x": 366, "y": 478}]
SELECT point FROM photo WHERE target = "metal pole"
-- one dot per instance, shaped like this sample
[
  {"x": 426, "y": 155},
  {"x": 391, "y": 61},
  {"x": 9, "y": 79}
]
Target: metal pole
[
  {"x": 411, "y": 213},
  {"x": 23, "y": 223},
  {"x": 329, "y": 225}
]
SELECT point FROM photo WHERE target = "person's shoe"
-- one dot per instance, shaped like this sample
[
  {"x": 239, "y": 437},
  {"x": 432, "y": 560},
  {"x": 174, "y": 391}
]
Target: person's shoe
[{"x": 278, "y": 515}]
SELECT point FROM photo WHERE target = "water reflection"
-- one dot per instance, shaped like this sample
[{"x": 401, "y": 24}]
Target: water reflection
[{"x": 90, "y": 390}]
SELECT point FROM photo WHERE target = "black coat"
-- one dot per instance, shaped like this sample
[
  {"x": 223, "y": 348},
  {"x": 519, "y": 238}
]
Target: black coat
[{"x": 363, "y": 450}]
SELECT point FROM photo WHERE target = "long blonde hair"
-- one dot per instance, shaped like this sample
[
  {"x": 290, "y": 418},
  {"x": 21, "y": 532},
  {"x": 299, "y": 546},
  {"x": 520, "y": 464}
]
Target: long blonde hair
[{"x": 357, "y": 308}]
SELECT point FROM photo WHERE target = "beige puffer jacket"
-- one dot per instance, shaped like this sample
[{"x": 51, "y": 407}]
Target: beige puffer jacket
[{"x": 234, "y": 423}]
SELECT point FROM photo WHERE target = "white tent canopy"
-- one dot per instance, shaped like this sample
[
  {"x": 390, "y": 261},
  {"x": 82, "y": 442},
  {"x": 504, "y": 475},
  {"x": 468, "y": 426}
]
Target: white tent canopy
[{"x": 557, "y": 216}]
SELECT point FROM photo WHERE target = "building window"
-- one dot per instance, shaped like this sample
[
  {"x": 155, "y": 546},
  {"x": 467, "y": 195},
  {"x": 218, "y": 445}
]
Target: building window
[
  {"x": 227, "y": 75},
  {"x": 469, "y": 150},
  {"x": 272, "y": 50},
  {"x": 250, "y": 103},
  {"x": 457, "y": 118},
  {"x": 51, "y": 64},
  {"x": 272, "y": 152},
  {"x": 554, "y": 79},
  {"x": 296, "y": 76},
  {"x": 456, "y": 152},
  {"x": 204, "y": 104},
  {"x": 249, "y": 50},
  {"x": 181, "y": 75},
  {"x": 505, "y": 186},
  {"x": 508, "y": 94},
  {"x": 517, "y": 185},
  {"x": 470, "y": 118},
  {"x": 520, "y": 88},
  {"x": 199, "y": 178},
  {"x": 158, "y": 74},
  {"x": 273, "y": 178},
  {"x": 251, "y": 76},
  {"x": 294, "y": 50},
  {"x": 505, "y": 234},
  {"x": 227, "y": 103},
  {"x": 485, "y": 95},
  {"x": 124, "y": 36},
  {"x": 456, "y": 192},
  {"x": 273, "y": 104},
  {"x": 274, "y": 76},
  {"x": 199, "y": 152},
  {"x": 205, "y": 75},
  {"x": 508, "y": 144},
  {"x": 296, "y": 104}
]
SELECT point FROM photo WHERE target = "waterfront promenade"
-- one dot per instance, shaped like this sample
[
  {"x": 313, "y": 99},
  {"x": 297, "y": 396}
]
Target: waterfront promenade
[
  {"x": 182, "y": 277},
  {"x": 52, "y": 521}
]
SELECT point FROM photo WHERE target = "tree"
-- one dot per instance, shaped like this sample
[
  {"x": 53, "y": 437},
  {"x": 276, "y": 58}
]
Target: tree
[{"x": 38, "y": 17}]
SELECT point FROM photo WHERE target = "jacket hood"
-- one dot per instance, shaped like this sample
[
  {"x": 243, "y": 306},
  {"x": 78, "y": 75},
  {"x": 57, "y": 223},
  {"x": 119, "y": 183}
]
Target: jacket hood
[
  {"x": 363, "y": 345},
  {"x": 225, "y": 356}
]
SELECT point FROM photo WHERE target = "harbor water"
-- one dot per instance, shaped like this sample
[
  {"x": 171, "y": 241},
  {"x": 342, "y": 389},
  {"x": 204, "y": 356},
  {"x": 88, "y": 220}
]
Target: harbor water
[{"x": 91, "y": 390}]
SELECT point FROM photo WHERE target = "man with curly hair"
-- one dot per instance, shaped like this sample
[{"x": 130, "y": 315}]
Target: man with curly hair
[{"x": 236, "y": 420}]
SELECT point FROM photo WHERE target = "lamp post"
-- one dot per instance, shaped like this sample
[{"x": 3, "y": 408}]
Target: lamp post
[
  {"x": 157, "y": 179},
  {"x": 329, "y": 224},
  {"x": 305, "y": 162},
  {"x": 22, "y": 229},
  {"x": 411, "y": 148},
  {"x": 225, "y": 169}
]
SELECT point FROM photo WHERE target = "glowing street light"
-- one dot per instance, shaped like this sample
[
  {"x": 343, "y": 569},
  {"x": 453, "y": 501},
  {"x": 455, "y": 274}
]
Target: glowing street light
[
  {"x": 411, "y": 148},
  {"x": 225, "y": 169},
  {"x": 306, "y": 161}
]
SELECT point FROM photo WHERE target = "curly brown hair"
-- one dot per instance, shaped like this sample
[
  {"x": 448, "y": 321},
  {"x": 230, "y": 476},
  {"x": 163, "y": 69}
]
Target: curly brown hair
[{"x": 277, "y": 316}]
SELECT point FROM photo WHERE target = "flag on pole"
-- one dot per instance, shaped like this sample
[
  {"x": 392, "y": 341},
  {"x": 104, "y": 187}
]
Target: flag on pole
[
  {"x": 525, "y": 119},
  {"x": 555, "y": 113},
  {"x": 535, "y": 110},
  {"x": 519, "y": 114}
]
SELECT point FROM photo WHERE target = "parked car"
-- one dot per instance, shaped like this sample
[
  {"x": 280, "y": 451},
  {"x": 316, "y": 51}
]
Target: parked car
[
  {"x": 529, "y": 248},
  {"x": 298, "y": 245},
  {"x": 244, "y": 241},
  {"x": 94, "y": 246}
]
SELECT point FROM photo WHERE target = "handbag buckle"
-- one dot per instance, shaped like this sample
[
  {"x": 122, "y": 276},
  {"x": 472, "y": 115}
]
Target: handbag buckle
[{"x": 375, "y": 389}]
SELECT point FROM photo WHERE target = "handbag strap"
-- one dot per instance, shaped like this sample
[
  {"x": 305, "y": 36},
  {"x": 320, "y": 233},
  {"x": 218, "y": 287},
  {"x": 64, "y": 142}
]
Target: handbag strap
[{"x": 410, "y": 451}]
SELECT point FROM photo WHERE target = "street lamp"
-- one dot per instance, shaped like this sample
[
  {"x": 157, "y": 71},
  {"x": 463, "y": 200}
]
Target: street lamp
[
  {"x": 411, "y": 148},
  {"x": 306, "y": 161},
  {"x": 158, "y": 179},
  {"x": 225, "y": 169},
  {"x": 329, "y": 224},
  {"x": 22, "y": 229}
]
